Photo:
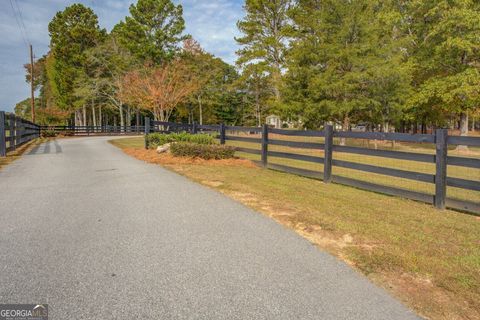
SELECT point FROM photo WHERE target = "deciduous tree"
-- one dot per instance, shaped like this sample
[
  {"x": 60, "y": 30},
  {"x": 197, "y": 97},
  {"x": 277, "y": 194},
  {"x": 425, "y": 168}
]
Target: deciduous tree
[{"x": 159, "y": 89}]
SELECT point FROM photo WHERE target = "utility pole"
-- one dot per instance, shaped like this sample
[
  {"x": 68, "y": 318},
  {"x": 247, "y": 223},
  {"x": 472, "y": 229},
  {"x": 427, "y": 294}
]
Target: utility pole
[{"x": 32, "y": 78}]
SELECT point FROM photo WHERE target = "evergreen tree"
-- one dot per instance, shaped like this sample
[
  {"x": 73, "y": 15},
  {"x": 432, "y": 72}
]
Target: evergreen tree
[
  {"x": 446, "y": 52},
  {"x": 345, "y": 64},
  {"x": 153, "y": 31},
  {"x": 266, "y": 32},
  {"x": 72, "y": 32}
]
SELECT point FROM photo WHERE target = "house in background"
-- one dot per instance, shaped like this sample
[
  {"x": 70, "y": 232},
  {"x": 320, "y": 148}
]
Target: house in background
[{"x": 274, "y": 121}]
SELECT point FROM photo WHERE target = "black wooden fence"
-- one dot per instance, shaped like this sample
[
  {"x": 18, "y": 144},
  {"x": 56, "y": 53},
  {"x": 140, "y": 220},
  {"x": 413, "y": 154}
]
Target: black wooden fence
[
  {"x": 95, "y": 130},
  {"x": 15, "y": 131},
  {"x": 441, "y": 159}
]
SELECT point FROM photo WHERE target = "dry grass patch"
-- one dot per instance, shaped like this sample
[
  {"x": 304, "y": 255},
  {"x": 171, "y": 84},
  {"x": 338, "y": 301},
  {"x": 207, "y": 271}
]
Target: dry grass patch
[
  {"x": 429, "y": 259},
  {"x": 151, "y": 156},
  {"x": 14, "y": 155}
]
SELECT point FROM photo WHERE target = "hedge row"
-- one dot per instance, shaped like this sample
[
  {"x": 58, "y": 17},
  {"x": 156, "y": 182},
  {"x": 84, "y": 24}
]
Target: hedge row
[
  {"x": 50, "y": 133},
  {"x": 158, "y": 139},
  {"x": 203, "y": 151}
]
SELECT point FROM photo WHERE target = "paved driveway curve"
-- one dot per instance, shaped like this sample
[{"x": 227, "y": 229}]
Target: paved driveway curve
[{"x": 99, "y": 235}]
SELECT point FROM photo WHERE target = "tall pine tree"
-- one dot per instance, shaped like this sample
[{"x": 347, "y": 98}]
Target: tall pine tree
[
  {"x": 72, "y": 32},
  {"x": 446, "y": 52},
  {"x": 154, "y": 30},
  {"x": 345, "y": 64},
  {"x": 266, "y": 32}
]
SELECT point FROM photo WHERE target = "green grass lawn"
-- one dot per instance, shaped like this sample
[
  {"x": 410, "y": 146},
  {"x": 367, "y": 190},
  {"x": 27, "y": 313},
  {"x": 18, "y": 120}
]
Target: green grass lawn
[
  {"x": 429, "y": 168},
  {"x": 430, "y": 259}
]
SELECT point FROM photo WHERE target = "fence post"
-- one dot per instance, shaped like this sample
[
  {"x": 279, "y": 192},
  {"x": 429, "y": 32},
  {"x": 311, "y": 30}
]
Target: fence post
[
  {"x": 264, "y": 145},
  {"x": 12, "y": 130},
  {"x": 327, "y": 166},
  {"x": 147, "y": 131},
  {"x": 3, "y": 145},
  {"x": 441, "y": 136},
  {"x": 222, "y": 133}
]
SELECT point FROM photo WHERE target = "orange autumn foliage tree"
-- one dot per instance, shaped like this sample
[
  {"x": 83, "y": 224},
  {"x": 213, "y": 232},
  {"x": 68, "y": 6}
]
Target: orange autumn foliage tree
[{"x": 159, "y": 89}]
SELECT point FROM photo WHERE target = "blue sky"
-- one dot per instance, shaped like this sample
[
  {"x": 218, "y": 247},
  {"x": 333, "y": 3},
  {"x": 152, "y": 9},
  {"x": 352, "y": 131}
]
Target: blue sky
[{"x": 211, "y": 22}]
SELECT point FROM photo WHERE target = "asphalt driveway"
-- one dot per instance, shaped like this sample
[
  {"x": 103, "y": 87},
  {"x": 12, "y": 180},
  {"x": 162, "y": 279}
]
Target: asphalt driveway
[{"x": 99, "y": 235}]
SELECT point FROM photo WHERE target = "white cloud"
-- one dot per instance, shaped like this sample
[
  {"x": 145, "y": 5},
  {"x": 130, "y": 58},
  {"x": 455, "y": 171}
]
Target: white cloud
[{"x": 213, "y": 24}]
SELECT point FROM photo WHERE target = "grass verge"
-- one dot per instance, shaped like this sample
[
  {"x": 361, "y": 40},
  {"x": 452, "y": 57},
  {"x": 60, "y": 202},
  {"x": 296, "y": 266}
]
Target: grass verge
[{"x": 427, "y": 258}]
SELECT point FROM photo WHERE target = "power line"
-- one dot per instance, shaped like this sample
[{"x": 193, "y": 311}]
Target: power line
[
  {"x": 22, "y": 21},
  {"x": 22, "y": 30},
  {"x": 24, "y": 33}
]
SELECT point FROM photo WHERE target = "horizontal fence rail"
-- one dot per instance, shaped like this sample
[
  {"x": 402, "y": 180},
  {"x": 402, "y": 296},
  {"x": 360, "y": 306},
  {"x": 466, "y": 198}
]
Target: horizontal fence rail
[
  {"x": 405, "y": 137},
  {"x": 266, "y": 136},
  {"x": 15, "y": 131},
  {"x": 94, "y": 130}
]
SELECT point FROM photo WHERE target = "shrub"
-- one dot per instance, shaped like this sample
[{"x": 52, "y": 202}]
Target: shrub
[
  {"x": 203, "y": 151},
  {"x": 49, "y": 133},
  {"x": 157, "y": 139},
  {"x": 196, "y": 138}
]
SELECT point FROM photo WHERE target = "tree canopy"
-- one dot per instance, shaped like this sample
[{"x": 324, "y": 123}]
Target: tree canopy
[
  {"x": 387, "y": 65},
  {"x": 154, "y": 30}
]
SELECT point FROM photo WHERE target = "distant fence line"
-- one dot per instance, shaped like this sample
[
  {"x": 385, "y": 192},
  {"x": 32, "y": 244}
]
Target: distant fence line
[
  {"x": 95, "y": 130},
  {"x": 15, "y": 131},
  {"x": 441, "y": 159}
]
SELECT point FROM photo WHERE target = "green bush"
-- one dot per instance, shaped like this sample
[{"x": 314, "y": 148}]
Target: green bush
[
  {"x": 157, "y": 139},
  {"x": 49, "y": 133},
  {"x": 203, "y": 151}
]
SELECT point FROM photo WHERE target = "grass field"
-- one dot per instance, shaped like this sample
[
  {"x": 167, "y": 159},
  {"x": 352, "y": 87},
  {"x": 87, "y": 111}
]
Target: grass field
[
  {"x": 429, "y": 168},
  {"x": 429, "y": 259}
]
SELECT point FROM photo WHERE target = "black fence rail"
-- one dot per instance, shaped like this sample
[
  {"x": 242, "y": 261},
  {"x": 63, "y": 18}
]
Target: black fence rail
[
  {"x": 441, "y": 160},
  {"x": 94, "y": 130},
  {"x": 15, "y": 131}
]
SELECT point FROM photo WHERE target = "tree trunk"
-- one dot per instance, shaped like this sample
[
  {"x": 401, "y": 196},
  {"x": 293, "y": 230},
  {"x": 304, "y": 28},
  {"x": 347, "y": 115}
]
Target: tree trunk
[
  {"x": 137, "y": 118},
  {"x": 345, "y": 127},
  {"x": 200, "y": 110},
  {"x": 386, "y": 126},
  {"x": 257, "y": 108},
  {"x": 122, "y": 120},
  {"x": 78, "y": 118},
  {"x": 463, "y": 129},
  {"x": 129, "y": 117},
  {"x": 100, "y": 123},
  {"x": 464, "y": 124},
  {"x": 84, "y": 115},
  {"x": 277, "y": 76},
  {"x": 94, "y": 117}
]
